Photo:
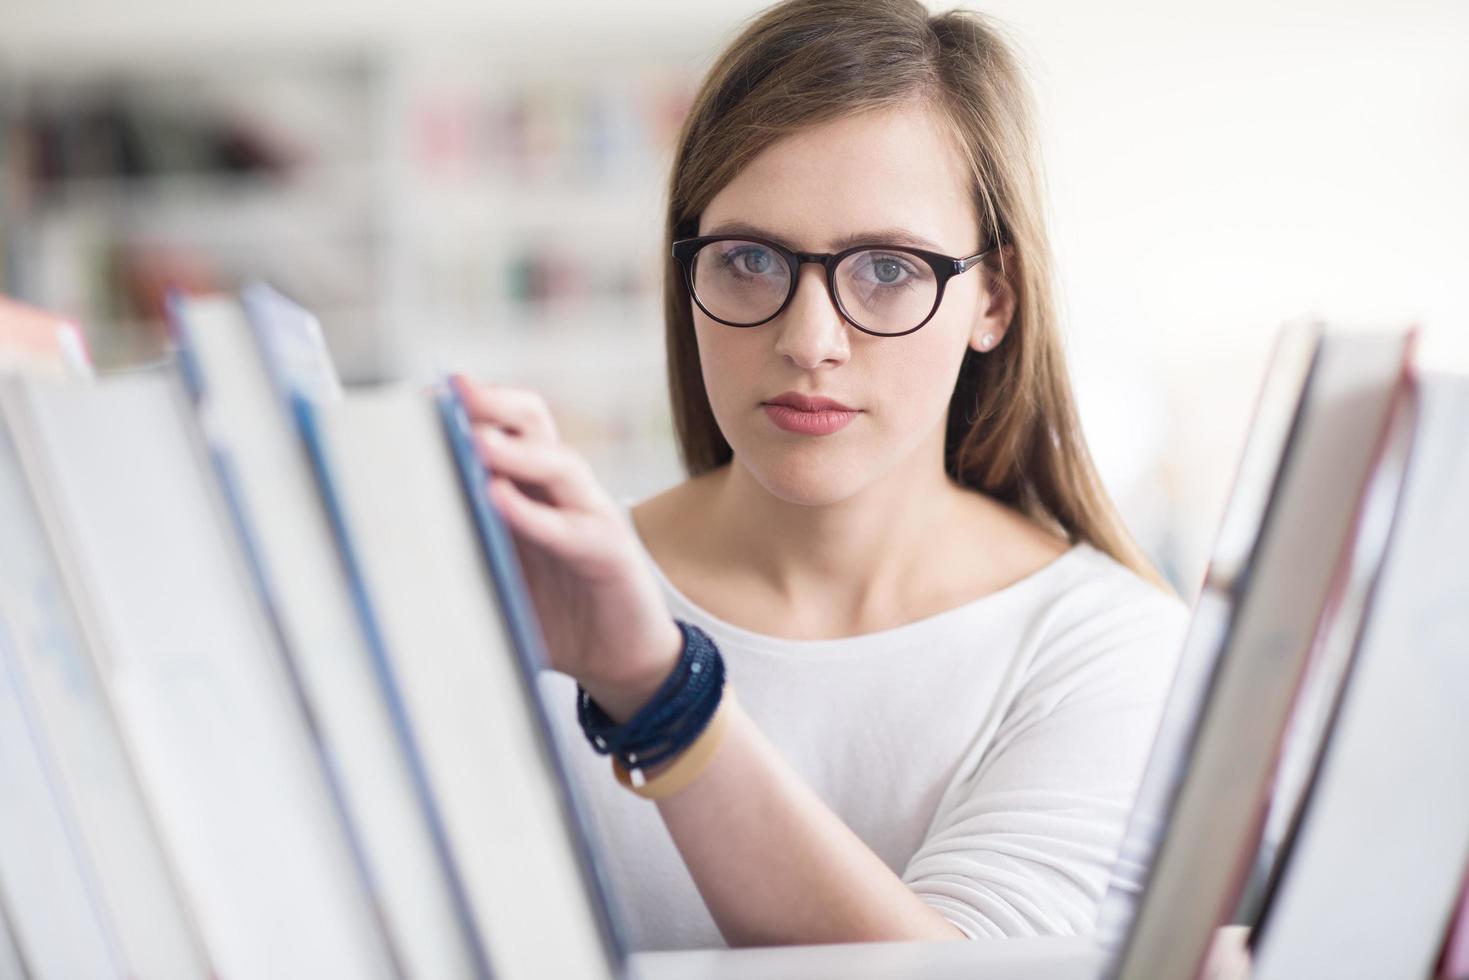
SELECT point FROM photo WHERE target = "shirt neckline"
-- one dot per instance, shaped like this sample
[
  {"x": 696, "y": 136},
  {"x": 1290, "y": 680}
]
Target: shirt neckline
[{"x": 923, "y": 630}]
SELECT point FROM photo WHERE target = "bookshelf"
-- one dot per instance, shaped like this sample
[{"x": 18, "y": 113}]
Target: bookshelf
[
  {"x": 438, "y": 207},
  {"x": 194, "y": 168}
]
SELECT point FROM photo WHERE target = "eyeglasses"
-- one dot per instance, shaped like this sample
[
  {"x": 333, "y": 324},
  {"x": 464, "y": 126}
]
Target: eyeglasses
[{"x": 883, "y": 290}]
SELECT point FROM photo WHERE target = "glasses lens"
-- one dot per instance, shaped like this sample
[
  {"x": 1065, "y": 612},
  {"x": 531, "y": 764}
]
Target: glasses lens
[
  {"x": 740, "y": 282},
  {"x": 886, "y": 290}
]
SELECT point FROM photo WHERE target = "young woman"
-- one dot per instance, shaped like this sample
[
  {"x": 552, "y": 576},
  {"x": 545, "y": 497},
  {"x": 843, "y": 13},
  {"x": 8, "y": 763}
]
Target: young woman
[{"x": 949, "y": 656}]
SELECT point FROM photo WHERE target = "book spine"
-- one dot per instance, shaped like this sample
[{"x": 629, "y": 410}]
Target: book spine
[
  {"x": 529, "y": 648},
  {"x": 221, "y": 463},
  {"x": 305, "y": 413}
]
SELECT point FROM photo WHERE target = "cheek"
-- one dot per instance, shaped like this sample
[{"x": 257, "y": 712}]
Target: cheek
[
  {"x": 919, "y": 371},
  {"x": 730, "y": 360}
]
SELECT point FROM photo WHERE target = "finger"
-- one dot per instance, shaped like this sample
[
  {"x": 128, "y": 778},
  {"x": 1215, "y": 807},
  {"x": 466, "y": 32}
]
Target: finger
[
  {"x": 558, "y": 471},
  {"x": 540, "y": 523},
  {"x": 522, "y": 411}
]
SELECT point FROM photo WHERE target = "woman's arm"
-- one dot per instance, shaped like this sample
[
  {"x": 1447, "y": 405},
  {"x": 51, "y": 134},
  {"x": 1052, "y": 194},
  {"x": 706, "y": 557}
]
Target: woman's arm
[
  {"x": 774, "y": 864},
  {"x": 1025, "y": 839},
  {"x": 1023, "y": 843}
]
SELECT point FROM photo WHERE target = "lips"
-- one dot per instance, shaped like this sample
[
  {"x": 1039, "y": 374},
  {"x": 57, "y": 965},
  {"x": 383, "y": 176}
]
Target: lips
[
  {"x": 809, "y": 403},
  {"x": 808, "y": 415}
]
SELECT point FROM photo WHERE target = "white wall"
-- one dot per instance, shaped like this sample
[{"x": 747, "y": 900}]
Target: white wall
[{"x": 1216, "y": 171}]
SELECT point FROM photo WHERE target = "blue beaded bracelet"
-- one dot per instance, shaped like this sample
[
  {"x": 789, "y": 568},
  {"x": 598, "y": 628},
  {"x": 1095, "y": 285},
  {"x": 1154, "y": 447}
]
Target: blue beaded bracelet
[{"x": 672, "y": 719}]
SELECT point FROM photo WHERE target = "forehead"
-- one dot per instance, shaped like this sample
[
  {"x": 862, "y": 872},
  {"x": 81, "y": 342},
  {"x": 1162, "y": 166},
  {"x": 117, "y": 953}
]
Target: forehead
[{"x": 890, "y": 168}]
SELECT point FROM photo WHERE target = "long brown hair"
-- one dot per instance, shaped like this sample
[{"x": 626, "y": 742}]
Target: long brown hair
[{"x": 1013, "y": 431}]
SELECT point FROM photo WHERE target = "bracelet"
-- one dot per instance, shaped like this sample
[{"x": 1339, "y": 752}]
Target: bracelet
[
  {"x": 672, "y": 719},
  {"x": 689, "y": 766}
]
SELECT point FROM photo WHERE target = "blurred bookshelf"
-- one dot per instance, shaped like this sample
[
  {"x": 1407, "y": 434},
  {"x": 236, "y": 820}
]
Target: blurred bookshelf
[
  {"x": 441, "y": 208},
  {"x": 124, "y": 179}
]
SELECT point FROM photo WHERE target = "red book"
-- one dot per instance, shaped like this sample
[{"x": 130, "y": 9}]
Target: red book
[{"x": 34, "y": 340}]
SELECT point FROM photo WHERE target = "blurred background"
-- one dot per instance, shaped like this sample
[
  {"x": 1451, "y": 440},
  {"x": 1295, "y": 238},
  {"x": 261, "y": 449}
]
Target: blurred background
[{"x": 428, "y": 178}]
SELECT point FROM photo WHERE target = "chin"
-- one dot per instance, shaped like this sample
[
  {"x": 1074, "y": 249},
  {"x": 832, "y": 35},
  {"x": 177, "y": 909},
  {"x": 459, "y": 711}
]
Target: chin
[{"x": 806, "y": 475}]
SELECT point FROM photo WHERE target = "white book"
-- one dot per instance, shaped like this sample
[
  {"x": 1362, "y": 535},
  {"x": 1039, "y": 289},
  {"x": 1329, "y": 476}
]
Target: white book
[
  {"x": 77, "y": 733},
  {"x": 1356, "y": 575},
  {"x": 198, "y": 684},
  {"x": 1214, "y": 823},
  {"x": 11, "y": 967},
  {"x": 308, "y": 589},
  {"x": 1230, "y": 561},
  {"x": 384, "y": 458},
  {"x": 45, "y": 888},
  {"x": 1013, "y": 958},
  {"x": 1369, "y": 881},
  {"x": 289, "y": 338}
]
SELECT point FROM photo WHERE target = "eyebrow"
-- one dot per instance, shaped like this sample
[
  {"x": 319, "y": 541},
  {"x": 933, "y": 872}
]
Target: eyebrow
[{"x": 877, "y": 236}]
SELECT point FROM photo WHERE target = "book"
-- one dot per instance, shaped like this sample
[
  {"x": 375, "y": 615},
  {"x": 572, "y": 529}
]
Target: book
[
  {"x": 247, "y": 423},
  {"x": 1232, "y": 558},
  {"x": 1215, "y": 816},
  {"x": 52, "y": 917},
  {"x": 1013, "y": 958},
  {"x": 1370, "y": 882},
  {"x": 11, "y": 967},
  {"x": 221, "y": 744},
  {"x": 76, "y": 734},
  {"x": 1359, "y": 566},
  {"x": 37, "y": 341},
  {"x": 289, "y": 338},
  {"x": 405, "y": 525},
  {"x": 48, "y": 895},
  {"x": 528, "y": 652}
]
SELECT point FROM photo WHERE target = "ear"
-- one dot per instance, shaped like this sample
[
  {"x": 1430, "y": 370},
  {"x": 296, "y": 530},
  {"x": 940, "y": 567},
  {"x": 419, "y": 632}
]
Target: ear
[{"x": 998, "y": 301}]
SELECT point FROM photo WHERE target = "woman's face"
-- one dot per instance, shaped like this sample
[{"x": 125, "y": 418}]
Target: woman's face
[{"x": 858, "y": 179}]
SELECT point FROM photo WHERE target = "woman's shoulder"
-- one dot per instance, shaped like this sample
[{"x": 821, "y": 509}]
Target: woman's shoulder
[
  {"x": 1108, "y": 628},
  {"x": 1089, "y": 580}
]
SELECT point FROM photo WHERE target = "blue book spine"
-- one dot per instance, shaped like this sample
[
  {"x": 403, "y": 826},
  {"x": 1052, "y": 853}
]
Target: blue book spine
[
  {"x": 222, "y": 462},
  {"x": 529, "y": 646},
  {"x": 305, "y": 412}
]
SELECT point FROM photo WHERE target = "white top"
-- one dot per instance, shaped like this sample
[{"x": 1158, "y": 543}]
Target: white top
[{"x": 989, "y": 754}]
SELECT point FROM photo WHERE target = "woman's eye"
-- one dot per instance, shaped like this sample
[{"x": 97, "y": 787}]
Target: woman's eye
[
  {"x": 753, "y": 261},
  {"x": 888, "y": 270}
]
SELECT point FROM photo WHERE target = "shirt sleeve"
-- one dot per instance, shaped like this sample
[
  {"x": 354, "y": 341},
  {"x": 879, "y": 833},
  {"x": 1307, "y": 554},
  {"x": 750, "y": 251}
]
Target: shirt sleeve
[{"x": 1024, "y": 839}]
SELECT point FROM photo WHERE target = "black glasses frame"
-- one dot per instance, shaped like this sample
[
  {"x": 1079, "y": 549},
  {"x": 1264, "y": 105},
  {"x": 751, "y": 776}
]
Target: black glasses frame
[{"x": 945, "y": 267}]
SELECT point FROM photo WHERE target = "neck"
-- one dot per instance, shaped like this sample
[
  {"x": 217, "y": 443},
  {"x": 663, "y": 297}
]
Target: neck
[{"x": 863, "y": 556}]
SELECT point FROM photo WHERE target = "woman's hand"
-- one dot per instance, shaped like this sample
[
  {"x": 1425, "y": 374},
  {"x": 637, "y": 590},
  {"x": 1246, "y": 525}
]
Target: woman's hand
[{"x": 603, "y": 617}]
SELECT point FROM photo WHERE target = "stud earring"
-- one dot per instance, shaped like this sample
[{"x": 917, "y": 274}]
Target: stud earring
[{"x": 987, "y": 341}]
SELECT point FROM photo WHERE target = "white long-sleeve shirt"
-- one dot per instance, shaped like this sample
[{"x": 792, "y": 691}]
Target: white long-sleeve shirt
[{"x": 989, "y": 754}]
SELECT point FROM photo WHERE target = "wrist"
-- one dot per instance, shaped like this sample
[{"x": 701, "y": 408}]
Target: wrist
[
  {"x": 623, "y": 696},
  {"x": 670, "y": 734}
]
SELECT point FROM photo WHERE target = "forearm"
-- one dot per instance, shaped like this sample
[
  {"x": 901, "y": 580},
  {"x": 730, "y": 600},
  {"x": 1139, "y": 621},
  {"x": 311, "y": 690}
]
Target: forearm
[{"x": 775, "y": 865}]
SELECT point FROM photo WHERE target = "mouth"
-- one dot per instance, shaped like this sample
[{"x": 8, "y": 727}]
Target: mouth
[
  {"x": 808, "y": 415},
  {"x": 808, "y": 403}
]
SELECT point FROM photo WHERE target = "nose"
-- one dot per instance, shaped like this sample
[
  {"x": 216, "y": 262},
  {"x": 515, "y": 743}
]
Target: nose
[{"x": 812, "y": 332}]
